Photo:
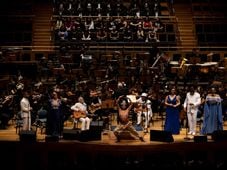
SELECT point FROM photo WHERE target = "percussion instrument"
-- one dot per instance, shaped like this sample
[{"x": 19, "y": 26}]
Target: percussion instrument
[
  {"x": 174, "y": 63},
  {"x": 132, "y": 98},
  {"x": 57, "y": 71},
  {"x": 205, "y": 67}
]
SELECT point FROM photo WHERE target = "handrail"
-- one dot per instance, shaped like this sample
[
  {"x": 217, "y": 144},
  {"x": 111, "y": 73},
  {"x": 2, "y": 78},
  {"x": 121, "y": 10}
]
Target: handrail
[
  {"x": 208, "y": 17},
  {"x": 103, "y": 16},
  {"x": 28, "y": 48},
  {"x": 18, "y": 16},
  {"x": 56, "y": 49}
]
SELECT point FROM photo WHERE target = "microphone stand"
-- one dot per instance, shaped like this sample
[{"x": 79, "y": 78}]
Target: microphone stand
[
  {"x": 146, "y": 116},
  {"x": 162, "y": 117},
  {"x": 186, "y": 129}
]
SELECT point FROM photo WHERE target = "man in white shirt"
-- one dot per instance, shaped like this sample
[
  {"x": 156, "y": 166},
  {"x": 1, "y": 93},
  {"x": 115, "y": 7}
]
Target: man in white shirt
[
  {"x": 80, "y": 112},
  {"x": 26, "y": 111},
  {"x": 191, "y": 105},
  {"x": 143, "y": 109}
]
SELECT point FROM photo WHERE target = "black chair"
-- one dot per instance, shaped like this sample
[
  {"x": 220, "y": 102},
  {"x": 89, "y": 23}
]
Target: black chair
[
  {"x": 41, "y": 120},
  {"x": 18, "y": 122}
]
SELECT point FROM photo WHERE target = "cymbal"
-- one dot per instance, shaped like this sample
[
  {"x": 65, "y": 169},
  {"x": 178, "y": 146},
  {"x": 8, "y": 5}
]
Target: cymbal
[{"x": 210, "y": 54}]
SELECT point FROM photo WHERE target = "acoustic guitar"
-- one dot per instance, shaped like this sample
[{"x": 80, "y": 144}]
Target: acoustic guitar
[
  {"x": 93, "y": 108},
  {"x": 78, "y": 114}
]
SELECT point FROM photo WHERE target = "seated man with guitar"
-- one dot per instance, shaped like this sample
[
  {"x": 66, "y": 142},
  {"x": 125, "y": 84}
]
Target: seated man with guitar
[
  {"x": 124, "y": 106},
  {"x": 95, "y": 107},
  {"x": 80, "y": 112}
]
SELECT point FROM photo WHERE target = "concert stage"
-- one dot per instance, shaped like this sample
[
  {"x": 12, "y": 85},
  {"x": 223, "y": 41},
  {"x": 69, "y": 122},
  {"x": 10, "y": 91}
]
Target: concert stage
[{"x": 183, "y": 152}]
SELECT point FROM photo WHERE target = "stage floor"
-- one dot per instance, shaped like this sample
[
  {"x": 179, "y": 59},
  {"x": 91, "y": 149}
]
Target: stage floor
[{"x": 107, "y": 136}]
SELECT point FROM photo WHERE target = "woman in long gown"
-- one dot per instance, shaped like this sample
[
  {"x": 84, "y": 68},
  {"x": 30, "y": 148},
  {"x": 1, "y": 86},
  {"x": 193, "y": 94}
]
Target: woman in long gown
[
  {"x": 212, "y": 120},
  {"x": 172, "y": 121}
]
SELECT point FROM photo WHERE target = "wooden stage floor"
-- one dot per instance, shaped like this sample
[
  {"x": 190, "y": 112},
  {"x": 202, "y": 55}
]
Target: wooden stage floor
[
  {"x": 100, "y": 154},
  {"x": 107, "y": 136}
]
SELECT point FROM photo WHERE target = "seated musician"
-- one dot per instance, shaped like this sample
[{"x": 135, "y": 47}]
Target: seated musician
[
  {"x": 143, "y": 108},
  {"x": 95, "y": 105},
  {"x": 80, "y": 112},
  {"x": 124, "y": 105}
]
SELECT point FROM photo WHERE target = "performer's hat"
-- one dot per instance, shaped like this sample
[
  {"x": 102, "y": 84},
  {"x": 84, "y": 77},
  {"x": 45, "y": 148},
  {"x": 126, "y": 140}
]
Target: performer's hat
[{"x": 144, "y": 95}]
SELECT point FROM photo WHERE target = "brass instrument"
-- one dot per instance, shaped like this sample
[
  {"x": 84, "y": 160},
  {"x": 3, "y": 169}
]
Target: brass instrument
[
  {"x": 183, "y": 61},
  {"x": 183, "y": 68}
]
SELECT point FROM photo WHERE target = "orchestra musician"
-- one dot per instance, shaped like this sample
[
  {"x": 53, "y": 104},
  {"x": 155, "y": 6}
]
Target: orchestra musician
[
  {"x": 81, "y": 113},
  {"x": 143, "y": 108},
  {"x": 95, "y": 104},
  {"x": 6, "y": 113},
  {"x": 124, "y": 105}
]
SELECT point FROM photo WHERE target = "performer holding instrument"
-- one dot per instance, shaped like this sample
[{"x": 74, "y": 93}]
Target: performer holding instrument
[
  {"x": 81, "y": 113},
  {"x": 124, "y": 106},
  {"x": 95, "y": 106},
  {"x": 143, "y": 109}
]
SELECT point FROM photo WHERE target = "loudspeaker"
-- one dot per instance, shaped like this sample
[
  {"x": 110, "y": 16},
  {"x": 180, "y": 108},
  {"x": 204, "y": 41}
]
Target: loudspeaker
[
  {"x": 89, "y": 135},
  {"x": 71, "y": 134},
  {"x": 52, "y": 138},
  {"x": 219, "y": 135},
  {"x": 162, "y": 136},
  {"x": 97, "y": 125},
  {"x": 27, "y": 136},
  {"x": 200, "y": 139}
]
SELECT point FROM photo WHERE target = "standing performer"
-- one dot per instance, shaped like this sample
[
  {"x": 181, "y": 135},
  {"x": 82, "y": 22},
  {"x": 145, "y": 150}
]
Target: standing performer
[
  {"x": 55, "y": 116},
  {"x": 124, "y": 106},
  {"x": 143, "y": 109},
  {"x": 212, "y": 113},
  {"x": 26, "y": 111},
  {"x": 172, "y": 122},
  {"x": 191, "y": 105}
]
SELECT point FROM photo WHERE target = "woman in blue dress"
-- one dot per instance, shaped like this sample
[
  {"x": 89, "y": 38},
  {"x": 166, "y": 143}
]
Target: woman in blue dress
[
  {"x": 172, "y": 121},
  {"x": 212, "y": 120},
  {"x": 55, "y": 116}
]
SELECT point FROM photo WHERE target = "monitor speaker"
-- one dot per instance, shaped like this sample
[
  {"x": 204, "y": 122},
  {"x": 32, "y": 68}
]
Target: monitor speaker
[
  {"x": 162, "y": 136},
  {"x": 200, "y": 139},
  {"x": 90, "y": 135},
  {"x": 52, "y": 138},
  {"x": 97, "y": 125},
  {"x": 71, "y": 134},
  {"x": 219, "y": 135},
  {"x": 27, "y": 136}
]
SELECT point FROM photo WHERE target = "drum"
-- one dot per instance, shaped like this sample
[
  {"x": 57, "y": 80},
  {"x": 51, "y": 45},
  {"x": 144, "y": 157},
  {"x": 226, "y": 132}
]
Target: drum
[
  {"x": 183, "y": 70},
  {"x": 206, "y": 67},
  {"x": 132, "y": 97},
  {"x": 174, "y": 69},
  {"x": 174, "y": 66},
  {"x": 174, "y": 63}
]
